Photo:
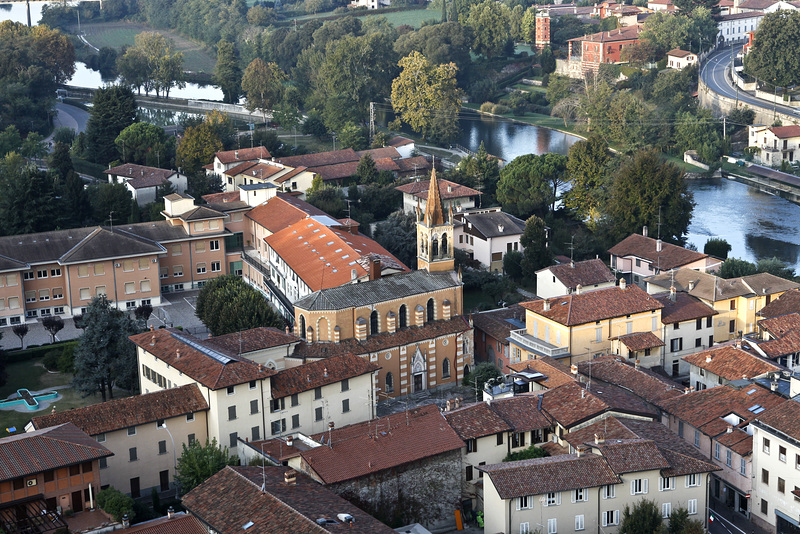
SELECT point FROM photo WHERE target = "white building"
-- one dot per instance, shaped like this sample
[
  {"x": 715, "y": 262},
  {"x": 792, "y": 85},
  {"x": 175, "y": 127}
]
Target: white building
[
  {"x": 487, "y": 234},
  {"x": 680, "y": 59},
  {"x": 567, "y": 278},
  {"x": 735, "y": 27},
  {"x": 725, "y": 363},
  {"x": 143, "y": 182},
  {"x": 776, "y": 144},
  {"x": 687, "y": 327}
]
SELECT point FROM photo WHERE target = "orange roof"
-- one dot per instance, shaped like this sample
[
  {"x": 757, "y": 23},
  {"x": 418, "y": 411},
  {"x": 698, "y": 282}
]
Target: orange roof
[
  {"x": 242, "y": 154},
  {"x": 261, "y": 171},
  {"x": 582, "y": 308},
  {"x": 731, "y": 363},
  {"x": 324, "y": 256},
  {"x": 282, "y": 211}
]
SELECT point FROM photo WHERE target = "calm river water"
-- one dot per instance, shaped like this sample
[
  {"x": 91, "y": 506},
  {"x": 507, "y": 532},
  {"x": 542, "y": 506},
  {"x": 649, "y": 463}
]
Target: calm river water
[{"x": 760, "y": 226}]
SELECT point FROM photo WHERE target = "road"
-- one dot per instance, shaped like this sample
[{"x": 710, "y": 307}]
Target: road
[
  {"x": 71, "y": 117},
  {"x": 715, "y": 77}
]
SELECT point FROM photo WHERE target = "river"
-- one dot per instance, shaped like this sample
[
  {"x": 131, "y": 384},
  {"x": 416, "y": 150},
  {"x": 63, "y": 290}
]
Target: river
[{"x": 760, "y": 226}]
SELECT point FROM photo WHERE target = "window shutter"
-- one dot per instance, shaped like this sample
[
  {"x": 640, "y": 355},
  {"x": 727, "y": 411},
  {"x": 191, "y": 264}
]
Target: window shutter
[
  {"x": 519, "y": 503},
  {"x": 558, "y": 498},
  {"x": 633, "y": 487},
  {"x": 644, "y": 485},
  {"x": 573, "y": 496},
  {"x": 616, "y": 517}
]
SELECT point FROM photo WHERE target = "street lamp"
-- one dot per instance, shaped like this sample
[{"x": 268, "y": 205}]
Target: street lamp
[{"x": 174, "y": 460}]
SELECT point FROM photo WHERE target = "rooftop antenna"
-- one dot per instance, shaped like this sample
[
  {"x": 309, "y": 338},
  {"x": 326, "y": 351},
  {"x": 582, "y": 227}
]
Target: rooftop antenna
[
  {"x": 111, "y": 220},
  {"x": 659, "y": 222},
  {"x": 571, "y": 247},
  {"x": 348, "y": 207}
]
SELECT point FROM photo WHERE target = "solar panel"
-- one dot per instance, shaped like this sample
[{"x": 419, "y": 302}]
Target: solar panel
[{"x": 211, "y": 353}]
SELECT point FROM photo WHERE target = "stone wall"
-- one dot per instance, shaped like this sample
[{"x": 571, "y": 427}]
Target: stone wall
[
  {"x": 721, "y": 105},
  {"x": 427, "y": 491}
]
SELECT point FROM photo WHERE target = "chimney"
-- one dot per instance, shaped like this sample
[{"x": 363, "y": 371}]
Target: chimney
[
  {"x": 673, "y": 295},
  {"x": 289, "y": 440},
  {"x": 325, "y": 372},
  {"x": 546, "y": 305},
  {"x": 598, "y": 440},
  {"x": 644, "y": 231},
  {"x": 572, "y": 264},
  {"x": 622, "y": 283},
  {"x": 691, "y": 285},
  {"x": 153, "y": 340},
  {"x": 573, "y": 369},
  {"x": 375, "y": 269},
  {"x": 636, "y": 363},
  {"x": 448, "y": 406},
  {"x": 773, "y": 386},
  {"x": 658, "y": 245},
  {"x": 288, "y": 332},
  {"x": 152, "y": 328},
  {"x": 446, "y": 310},
  {"x": 337, "y": 333},
  {"x": 580, "y": 450},
  {"x": 236, "y": 154},
  {"x": 178, "y": 354},
  {"x": 290, "y": 477},
  {"x": 578, "y": 289},
  {"x": 170, "y": 512},
  {"x": 709, "y": 358},
  {"x": 729, "y": 429}
]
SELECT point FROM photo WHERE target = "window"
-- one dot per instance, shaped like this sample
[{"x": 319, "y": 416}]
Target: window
[
  {"x": 41, "y": 274},
  {"x": 552, "y": 499},
  {"x": 696, "y": 438},
  {"x": 610, "y": 517},
  {"x": 598, "y": 335},
  {"x": 732, "y": 326},
  {"x": 201, "y": 268},
  {"x": 728, "y": 457},
  {"x": 233, "y": 438},
  {"x": 144, "y": 264},
  {"x": 666, "y": 484},
  {"x": 579, "y": 522},
  {"x": 742, "y": 467},
  {"x": 318, "y": 414},
  {"x": 253, "y": 406},
  {"x": 552, "y": 526},
  {"x": 698, "y": 342},
  {"x": 345, "y": 405},
  {"x": 213, "y": 244},
  {"x": 765, "y": 446},
  {"x": 177, "y": 250},
  {"x": 317, "y": 393},
  {"x": 680, "y": 428},
  {"x": 764, "y": 507},
  {"x": 580, "y": 494},
  {"x": 135, "y": 489},
  {"x": 162, "y": 447},
  {"x": 131, "y": 430},
  {"x": 83, "y": 271},
  {"x": 295, "y": 421},
  {"x": 733, "y": 304},
  {"x": 255, "y": 433},
  {"x": 666, "y": 510},
  {"x": 58, "y": 293},
  {"x": 781, "y": 485},
  {"x": 130, "y": 287},
  {"x": 472, "y": 445},
  {"x": 716, "y": 451},
  {"x": 639, "y": 486},
  {"x": 698, "y": 324},
  {"x": 346, "y": 384},
  {"x": 278, "y": 426},
  {"x": 161, "y": 423},
  {"x": 189, "y": 417},
  {"x": 390, "y": 386},
  {"x": 782, "y": 453},
  {"x": 499, "y": 438},
  {"x": 101, "y": 438},
  {"x": 132, "y": 456},
  {"x": 446, "y": 368},
  {"x": 199, "y": 246},
  {"x": 30, "y": 296},
  {"x": 177, "y": 270},
  {"x": 797, "y": 461},
  {"x": 765, "y": 476},
  {"x": 691, "y": 506},
  {"x": 517, "y": 440},
  {"x": 100, "y": 291},
  {"x": 295, "y": 400},
  {"x": 609, "y": 491},
  {"x": 190, "y": 439},
  {"x": 709, "y": 323},
  {"x": 215, "y": 267},
  {"x": 693, "y": 480},
  {"x": 276, "y": 405},
  {"x": 231, "y": 413},
  {"x": 144, "y": 286},
  {"x": 230, "y": 390},
  {"x": 524, "y": 528},
  {"x": 525, "y": 502},
  {"x": 676, "y": 345},
  {"x": 127, "y": 266},
  {"x": 103, "y": 463}
]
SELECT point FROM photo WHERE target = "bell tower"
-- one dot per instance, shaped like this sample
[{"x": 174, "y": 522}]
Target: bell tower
[{"x": 434, "y": 234}]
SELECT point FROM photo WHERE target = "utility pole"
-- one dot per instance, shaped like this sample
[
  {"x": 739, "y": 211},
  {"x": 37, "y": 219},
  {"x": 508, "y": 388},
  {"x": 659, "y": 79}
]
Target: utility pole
[
  {"x": 371, "y": 121},
  {"x": 724, "y": 130}
]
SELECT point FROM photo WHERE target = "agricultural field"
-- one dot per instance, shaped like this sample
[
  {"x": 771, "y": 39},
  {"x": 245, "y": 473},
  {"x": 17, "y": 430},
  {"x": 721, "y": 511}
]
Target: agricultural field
[
  {"x": 411, "y": 17},
  {"x": 119, "y": 34}
]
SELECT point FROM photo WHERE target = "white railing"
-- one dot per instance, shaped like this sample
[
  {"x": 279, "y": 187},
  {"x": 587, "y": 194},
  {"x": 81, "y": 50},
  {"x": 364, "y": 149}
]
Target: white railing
[{"x": 522, "y": 337}]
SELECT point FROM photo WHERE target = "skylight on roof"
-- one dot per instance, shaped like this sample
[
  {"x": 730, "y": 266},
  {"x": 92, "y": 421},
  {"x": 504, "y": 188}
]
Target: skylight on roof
[
  {"x": 751, "y": 391},
  {"x": 345, "y": 256},
  {"x": 329, "y": 243},
  {"x": 753, "y": 408}
]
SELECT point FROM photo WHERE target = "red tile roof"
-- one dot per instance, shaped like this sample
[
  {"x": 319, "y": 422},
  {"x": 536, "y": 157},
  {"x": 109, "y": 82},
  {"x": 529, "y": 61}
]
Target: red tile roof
[
  {"x": 522, "y": 412},
  {"x": 282, "y": 211},
  {"x": 785, "y": 132},
  {"x": 233, "y": 498},
  {"x": 782, "y": 418},
  {"x": 127, "y": 412},
  {"x": 584, "y": 273},
  {"x": 591, "y": 306},
  {"x": 324, "y": 257},
  {"x": 476, "y": 421},
  {"x": 242, "y": 154},
  {"x": 199, "y": 361},
  {"x": 252, "y": 340},
  {"x": 260, "y": 171},
  {"x": 319, "y": 373},
  {"x": 550, "y": 474},
  {"x": 731, "y": 363},
  {"x": 630, "y": 33},
  {"x": 496, "y": 323},
  {"x": 180, "y": 524},
  {"x": 684, "y": 308},
  {"x": 242, "y": 167},
  {"x": 639, "y": 341},
  {"x": 786, "y": 332},
  {"x": 556, "y": 373},
  {"x": 572, "y": 404},
  {"x": 630, "y": 455},
  {"x": 229, "y": 201},
  {"x": 670, "y": 257},
  {"x": 43, "y": 450},
  {"x": 643, "y": 383},
  {"x": 677, "y": 52},
  {"x": 789, "y": 302},
  {"x": 447, "y": 189},
  {"x": 321, "y": 158},
  {"x": 372, "y": 446},
  {"x": 378, "y": 153},
  {"x": 413, "y": 164}
]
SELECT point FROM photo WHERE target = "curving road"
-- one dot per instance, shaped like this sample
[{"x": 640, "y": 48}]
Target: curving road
[{"x": 714, "y": 74}]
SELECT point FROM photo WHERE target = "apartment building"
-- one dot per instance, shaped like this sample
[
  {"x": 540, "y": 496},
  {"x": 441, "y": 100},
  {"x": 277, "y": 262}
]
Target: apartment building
[{"x": 687, "y": 326}]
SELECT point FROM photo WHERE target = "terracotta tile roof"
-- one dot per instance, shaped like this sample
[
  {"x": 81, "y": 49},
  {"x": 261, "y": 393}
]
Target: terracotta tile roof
[
  {"x": 572, "y": 404},
  {"x": 684, "y": 308},
  {"x": 225, "y": 202},
  {"x": 378, "y": 153},
  {"x": 447, "y": 189},
  {"x": 630, "y": 455},
  {"x": 282, "y": 211},
  {"x": 737, "y": 440},
  {"x": 476, "y": 421},
  {"x": 643, "y": 383},
  {"x": 705, "y": 409},
  {"x": 585, "y": 273},
  {"x": 337, "y": 171},
  {"x": 320, "y": 159},
  {"x": 786, "y": 332},
  {"x": 251, "y": 340},
  {"x": 127, "y": 412},
  {"x": 260, "y": 171},
  {"x": 383, "y": 341},
  {"x": 200, "y": 213},
  {"x": 670, "y": 257},
  {"x": 556, "y": 372},
  {"x": 200, "y": 362},
  {"x": 180, "y": 524},
  {"x": 50, "y": 448},
  {"x": 372, "y": 446},
  {"x": 629, "y": 33},
  {"x": 324, "y": 257},
  {"x": 782, "y": 418},
  {"x": 319, "y": 373},
  {"x": 233, "y": 498},
  {"x": 731, "y": 363},
  {"x": 413, "y": 164},
  {"x": 757, "y": 4},
  {"x": 639, "y": 341},
  {"x": 550, "y": 474},
  {"x": 713, "y": 288},
  {"x": 677, "y": 52},
  {"x": 591, "y": 306},
  {"x": 242, "y": 167},
  {"x": 496, "y": 322},
  {"x": 522, "y": 412},
  {"x": 140, "y": 176},
  {"x": 607, "y": 429},
  {"x": 400, "y": 141},
  {"x": 789, "y": 302},
  {"x": 243, "y": 154}
]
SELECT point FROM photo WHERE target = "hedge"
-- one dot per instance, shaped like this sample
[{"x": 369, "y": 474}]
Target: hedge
[{"x": 33, "y": 353}]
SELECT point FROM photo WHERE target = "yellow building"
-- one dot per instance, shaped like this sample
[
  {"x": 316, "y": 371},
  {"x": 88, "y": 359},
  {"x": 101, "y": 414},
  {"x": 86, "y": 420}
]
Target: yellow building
[{"x": 583, "y": 324}]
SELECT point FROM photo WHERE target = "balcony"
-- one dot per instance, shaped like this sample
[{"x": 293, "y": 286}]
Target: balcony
[{"x": 523, "y": 339}]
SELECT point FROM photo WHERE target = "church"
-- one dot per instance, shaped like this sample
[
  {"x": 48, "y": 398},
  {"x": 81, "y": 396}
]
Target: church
[{"x": 410, "y": 324}]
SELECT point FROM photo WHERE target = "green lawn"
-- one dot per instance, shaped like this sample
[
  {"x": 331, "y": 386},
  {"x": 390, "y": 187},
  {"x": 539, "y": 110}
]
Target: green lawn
[{"x": 412, "y": 17}]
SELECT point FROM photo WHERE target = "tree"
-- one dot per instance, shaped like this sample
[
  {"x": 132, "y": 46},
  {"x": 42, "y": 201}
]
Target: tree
[
  {"x": 440, "y": 43},
  {"x": 490, "y": 22},
  {"x": 645, "y": 516},
  {"x": 60, "y": 161},
  {"x": 366, "y": 171},
  {"x": 700, "y": 132},
  {"x": 512, "y": 265},
  {"x": 143, "y": 312},
  {"x": 34, "y": 146},
  {"x": 228, "y": 304},
  {"x": 775, "y": 266},
  {"x": 441, "y": 97},
  {"x": 152, "y": 64},
  {"x": 196, "y": 148},
  {"x": 146, "y": 144},
  {"x": 20, "y": 330},
  {"x": 480, "y": 374},
  {"x": 75, "y": 201},
  {"x": 263, "y": 85},
  {"x": 227, "y": 73},
  {"x": 53, "y": 324},
  {"x": 646, "y": 191},
  {"x": 110, "y": 200},
  {"x": 774, "y": 56},
  {"x": 535, "y": 254},
  {"x": 113, "y": 110},
  {"x": 398, "y": 235},
  {"x": 28, "y": 202},
  {"x": 116, "y": 504},
  {"x": 680, "y": 523},
  {"x": 10, "y": 140},
  {"x": 104, "y": 357},
  {"x": 198, "y": 463},
  {"x": 587, "y": 167},
  {"x": 528, "y": 454},
  {"x": 529, "y": 184},
  {"x": 734, "y": 267},
  {"x": 547, "y": 60},
  {"x": 717, "y": 247}
]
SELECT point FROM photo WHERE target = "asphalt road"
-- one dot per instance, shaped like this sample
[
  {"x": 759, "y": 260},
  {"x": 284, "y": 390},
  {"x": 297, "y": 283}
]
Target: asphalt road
[
  {"x": 715, "y": 77},
  {"x": 71, "y": 117}
]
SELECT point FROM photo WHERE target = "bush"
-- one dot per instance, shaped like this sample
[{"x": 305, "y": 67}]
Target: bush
[
  {"x": 50, "y": 360},
  {"x": 116, "y": 503},
  {"x": 500, "y": 109},
  {"x": 531, "y": 452},
  {"x": 480, "y": 374},
  {"x": 487, "y": 107},
  {"x": 66, "y": 361}
]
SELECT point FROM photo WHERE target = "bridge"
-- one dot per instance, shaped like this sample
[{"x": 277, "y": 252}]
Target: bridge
[{"x": 770, "y": 181}]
